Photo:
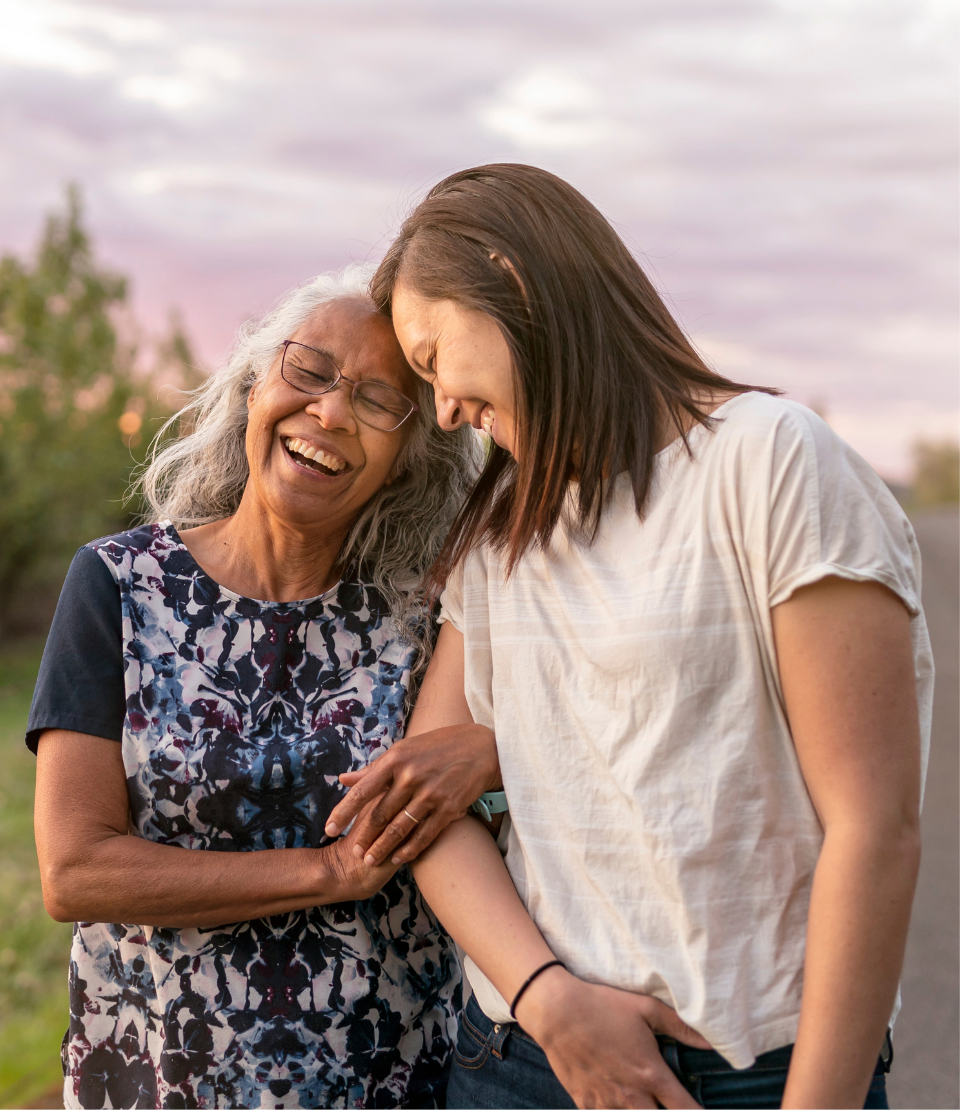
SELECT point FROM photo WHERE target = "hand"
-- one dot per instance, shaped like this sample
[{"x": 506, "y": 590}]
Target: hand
[
  {"x": 435, "y": 776},
  {"x": 357, "y": 880},
  {"x": 600, "y": 1041}
]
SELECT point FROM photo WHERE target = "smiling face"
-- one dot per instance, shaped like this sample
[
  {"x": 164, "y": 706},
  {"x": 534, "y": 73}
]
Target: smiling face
[
  {"x": 312, "y": 462},
  {"x": 462, "y": 353}
]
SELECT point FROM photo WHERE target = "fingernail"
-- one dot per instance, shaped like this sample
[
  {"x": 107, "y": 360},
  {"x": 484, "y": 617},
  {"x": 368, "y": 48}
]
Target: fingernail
[
  {"x": 357, "y": 851},
  {"x": 396, "y": 861},
  {"x": 331, "y": 829},
  {"x": 369, "y": 859}
]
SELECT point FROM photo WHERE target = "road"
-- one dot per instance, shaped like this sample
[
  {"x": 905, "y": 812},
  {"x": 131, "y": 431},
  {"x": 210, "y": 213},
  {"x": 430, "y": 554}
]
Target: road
[{"x": 926, "y": 1070}]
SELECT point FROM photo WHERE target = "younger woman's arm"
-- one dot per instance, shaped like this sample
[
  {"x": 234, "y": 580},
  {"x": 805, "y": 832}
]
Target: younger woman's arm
[
  {"x": 600, "y": 1041},
  {"x": 846, "y": 668}
]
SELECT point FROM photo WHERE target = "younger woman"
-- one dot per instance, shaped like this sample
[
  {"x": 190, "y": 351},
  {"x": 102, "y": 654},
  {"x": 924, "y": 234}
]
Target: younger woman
[{"x": 691, "y": 615}]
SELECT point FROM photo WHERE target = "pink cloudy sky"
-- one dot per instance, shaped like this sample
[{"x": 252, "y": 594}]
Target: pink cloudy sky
[{"x": 785, "y": 168}]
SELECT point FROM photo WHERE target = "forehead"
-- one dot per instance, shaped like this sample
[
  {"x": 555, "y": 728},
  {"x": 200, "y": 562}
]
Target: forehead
[{"x": 360, "y": 339}]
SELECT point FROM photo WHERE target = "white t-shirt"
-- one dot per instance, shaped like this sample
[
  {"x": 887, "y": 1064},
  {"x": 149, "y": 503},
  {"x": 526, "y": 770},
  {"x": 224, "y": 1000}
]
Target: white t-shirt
[{"x": 660, "y": 832}]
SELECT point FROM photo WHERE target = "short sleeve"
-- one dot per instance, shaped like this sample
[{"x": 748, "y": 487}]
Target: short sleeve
[
  {"x": 80, "y": 684},
  {"x": 451, "y": 600},
  {"x": 829, "y": 514}
]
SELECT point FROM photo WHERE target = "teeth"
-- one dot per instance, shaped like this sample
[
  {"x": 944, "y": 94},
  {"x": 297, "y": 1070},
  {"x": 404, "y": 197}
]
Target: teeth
[
  {"x": 487, "y": 421},
  {"x": 301, "y": 447},
  {"x": 330, "y": 461}
]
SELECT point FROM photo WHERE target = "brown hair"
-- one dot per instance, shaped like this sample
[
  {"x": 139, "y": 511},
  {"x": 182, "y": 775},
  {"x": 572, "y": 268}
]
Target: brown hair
[{"x": 599, "y": 362}]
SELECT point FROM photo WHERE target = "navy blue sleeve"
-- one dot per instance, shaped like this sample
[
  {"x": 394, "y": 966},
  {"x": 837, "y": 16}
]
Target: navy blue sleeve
[{"x": 80, "y": 684}]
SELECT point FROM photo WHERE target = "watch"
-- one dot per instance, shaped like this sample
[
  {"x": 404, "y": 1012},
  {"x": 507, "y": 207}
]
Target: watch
[{"x": 494, "y": 801}]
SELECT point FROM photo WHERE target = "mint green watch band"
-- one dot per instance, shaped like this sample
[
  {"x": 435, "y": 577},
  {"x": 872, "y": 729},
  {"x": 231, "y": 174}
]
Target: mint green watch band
[{"x": 494, "y": 801}]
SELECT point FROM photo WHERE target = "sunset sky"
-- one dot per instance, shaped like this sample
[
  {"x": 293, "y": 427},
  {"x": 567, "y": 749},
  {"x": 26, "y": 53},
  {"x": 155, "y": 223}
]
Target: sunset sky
[{"x": 785, "y": 169}]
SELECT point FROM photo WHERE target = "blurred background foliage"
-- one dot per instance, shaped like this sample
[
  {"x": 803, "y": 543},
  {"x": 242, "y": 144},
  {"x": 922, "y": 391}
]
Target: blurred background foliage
[
  {"x": 80, "y": 400},
  {"x": 936, "y": 474},
  {"x": 81, "y": 396}
]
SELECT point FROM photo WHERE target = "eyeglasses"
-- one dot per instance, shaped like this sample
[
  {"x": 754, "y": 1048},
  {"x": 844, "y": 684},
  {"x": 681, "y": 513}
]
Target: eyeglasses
[{"x": 376, "y": 404}]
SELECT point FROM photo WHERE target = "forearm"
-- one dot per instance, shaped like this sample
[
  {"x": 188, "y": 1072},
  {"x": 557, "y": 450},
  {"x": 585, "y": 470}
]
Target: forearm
[
  {"x": 856, "y": 933},
  {"x": 466, "y": 884},
  {"x": 128, "y": 879}
]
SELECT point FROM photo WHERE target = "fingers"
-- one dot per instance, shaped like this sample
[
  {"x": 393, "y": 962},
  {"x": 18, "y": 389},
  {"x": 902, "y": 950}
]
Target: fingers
[
  {"x": 377, "y": 848},
  {"x": 663, "y": 1019},
  {"x": 420, "y": 839},
  {"x": 387, "y": 822},
  {"x": 403, "y": 839},
  {"x": 672, "y": 1094},
  {"x": 375, "y": 778}
]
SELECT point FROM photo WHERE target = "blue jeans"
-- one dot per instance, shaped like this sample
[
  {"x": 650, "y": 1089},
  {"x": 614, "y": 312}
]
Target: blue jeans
[{"x": 501, "y": 1065}]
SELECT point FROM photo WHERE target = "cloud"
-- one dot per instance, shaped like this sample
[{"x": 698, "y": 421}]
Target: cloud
[{"x": 549, "y": 108}]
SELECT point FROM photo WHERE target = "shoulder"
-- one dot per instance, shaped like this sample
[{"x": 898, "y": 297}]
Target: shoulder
[
  {"x": 759, "y": 417},
  {"x": 130, "y": 542},
  {"x": 156, "y": 543},
  {"x": 770, "y": 437}
]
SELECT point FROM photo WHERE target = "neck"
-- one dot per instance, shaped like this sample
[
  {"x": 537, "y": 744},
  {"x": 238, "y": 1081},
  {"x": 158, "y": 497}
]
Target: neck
[{"x": 255, "y": 554}]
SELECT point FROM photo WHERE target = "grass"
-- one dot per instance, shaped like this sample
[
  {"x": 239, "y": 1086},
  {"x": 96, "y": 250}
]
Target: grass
[{"x": 34, "y": 949}]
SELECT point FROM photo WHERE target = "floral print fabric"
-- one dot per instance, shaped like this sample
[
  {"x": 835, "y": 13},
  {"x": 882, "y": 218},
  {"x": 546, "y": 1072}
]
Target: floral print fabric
[{"x": 240, "y": 715}]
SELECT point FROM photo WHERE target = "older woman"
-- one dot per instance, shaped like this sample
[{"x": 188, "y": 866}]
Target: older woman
[{"x": 206, "y": 680}]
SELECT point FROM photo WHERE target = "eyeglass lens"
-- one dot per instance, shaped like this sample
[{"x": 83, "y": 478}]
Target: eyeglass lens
[{"x": 379, "y": 405}]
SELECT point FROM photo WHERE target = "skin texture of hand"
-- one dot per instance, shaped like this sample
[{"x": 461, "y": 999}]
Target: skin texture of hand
[
  {"x": 437, "y": 771},
  {"x": 601, "y": 1041},
  {"x": 436, "y": 776}
]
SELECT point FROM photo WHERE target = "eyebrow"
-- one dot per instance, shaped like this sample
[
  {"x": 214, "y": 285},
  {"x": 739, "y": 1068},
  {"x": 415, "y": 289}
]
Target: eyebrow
[{"x": 320, "y": 351}]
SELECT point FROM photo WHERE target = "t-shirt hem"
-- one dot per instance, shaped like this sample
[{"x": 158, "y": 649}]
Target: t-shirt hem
[
  {"x": 70, "y": 724},
  {"x": 809, "y": 575},
  {"x": 740, "y": 1053},
  {"x": 743, "y": 1052}
]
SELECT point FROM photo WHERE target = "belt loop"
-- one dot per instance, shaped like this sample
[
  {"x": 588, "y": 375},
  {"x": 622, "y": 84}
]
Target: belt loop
[
  {"x": 500, "y": 1033},
  {"x": 886, "y": 1058},
  {"x": 670, "y": 1051}
]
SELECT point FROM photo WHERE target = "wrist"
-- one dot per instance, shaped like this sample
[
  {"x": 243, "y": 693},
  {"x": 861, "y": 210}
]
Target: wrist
[
  {"x": 334, "y": 877},
  {"x": 544, "y": 1003}
]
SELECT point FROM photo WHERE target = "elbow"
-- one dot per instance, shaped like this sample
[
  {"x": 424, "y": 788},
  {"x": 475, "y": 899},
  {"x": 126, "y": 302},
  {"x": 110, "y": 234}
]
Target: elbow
[
  {"x": 66, "y": 894},
  {"x": 57, "y": 900},
  {"x": 888, "y": 842}
]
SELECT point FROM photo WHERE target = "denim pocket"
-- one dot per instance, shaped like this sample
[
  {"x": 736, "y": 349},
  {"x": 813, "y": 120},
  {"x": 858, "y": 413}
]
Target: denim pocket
[{"x": 473, "y": 1048}]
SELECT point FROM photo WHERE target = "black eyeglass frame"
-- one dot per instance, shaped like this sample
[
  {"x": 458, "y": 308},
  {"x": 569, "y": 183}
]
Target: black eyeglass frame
[{"x": 341, "y": 377}]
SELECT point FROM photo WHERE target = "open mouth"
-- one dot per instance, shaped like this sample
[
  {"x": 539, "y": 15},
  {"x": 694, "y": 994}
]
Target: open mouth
[
  {"x": 487, "y": 419},
  {"x": 305, "y": 454}
]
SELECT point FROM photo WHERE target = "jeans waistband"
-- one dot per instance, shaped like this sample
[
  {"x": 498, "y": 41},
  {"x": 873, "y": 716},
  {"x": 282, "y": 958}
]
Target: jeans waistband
[{"x": 698, "y": 1061}]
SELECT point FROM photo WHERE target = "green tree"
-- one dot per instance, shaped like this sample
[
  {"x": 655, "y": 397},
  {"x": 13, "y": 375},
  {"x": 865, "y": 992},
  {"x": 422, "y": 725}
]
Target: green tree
[
  {"x": 937, "y": 473},
  {"x": 75, "y": 415}
]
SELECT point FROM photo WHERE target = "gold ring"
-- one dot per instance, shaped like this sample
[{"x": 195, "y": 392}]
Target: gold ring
[{"x": 412, "y": 818}]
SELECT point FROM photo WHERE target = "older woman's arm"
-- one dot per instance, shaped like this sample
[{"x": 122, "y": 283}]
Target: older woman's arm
[{"x": 92, "y": 870}]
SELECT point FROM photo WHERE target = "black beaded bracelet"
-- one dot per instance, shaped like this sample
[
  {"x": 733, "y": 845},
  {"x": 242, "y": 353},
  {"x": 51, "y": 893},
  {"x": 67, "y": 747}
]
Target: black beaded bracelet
[{"x": 528, "y": 981}]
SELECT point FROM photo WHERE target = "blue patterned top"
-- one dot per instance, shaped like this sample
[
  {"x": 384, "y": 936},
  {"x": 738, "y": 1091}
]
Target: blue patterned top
[{"x": 239, "y": 717}]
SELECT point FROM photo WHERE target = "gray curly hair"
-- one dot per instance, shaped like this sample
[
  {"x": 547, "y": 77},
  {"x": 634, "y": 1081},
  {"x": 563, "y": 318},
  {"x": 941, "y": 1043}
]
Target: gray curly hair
[{"x": 200, "y": 476}]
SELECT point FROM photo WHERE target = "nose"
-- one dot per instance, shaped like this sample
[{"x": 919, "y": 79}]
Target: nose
[
  {"x": 334, "y": 410},
  {"x": 450, "y": 414}
]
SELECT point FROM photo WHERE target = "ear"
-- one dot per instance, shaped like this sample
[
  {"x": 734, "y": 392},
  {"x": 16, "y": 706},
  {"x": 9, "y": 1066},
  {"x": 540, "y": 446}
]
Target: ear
[{"x": 252, "y": 395}]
